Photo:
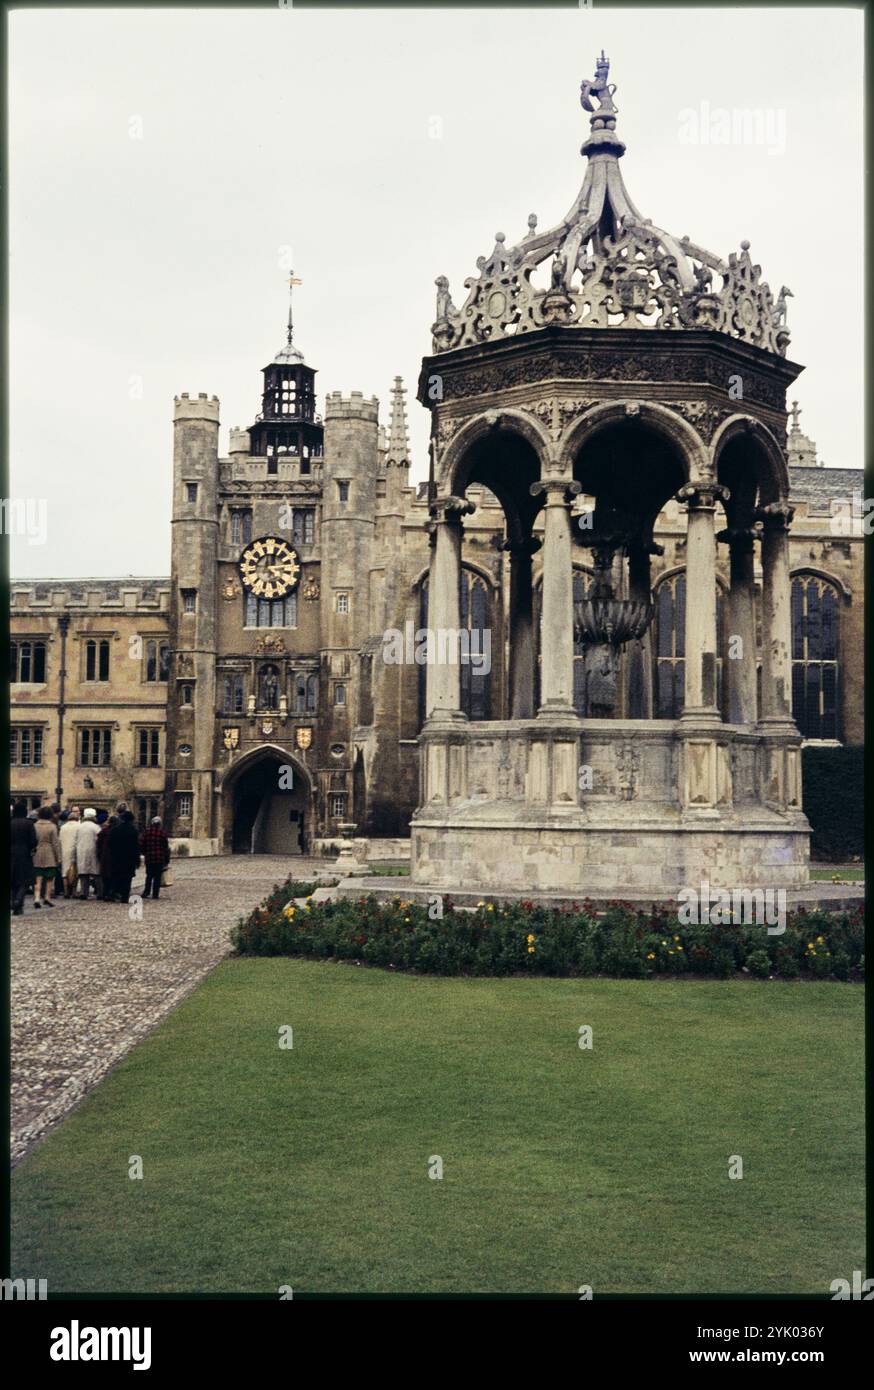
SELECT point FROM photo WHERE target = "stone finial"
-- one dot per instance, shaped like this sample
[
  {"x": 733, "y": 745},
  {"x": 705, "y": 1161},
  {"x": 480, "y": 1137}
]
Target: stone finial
[{"x": 398, "y": 438}]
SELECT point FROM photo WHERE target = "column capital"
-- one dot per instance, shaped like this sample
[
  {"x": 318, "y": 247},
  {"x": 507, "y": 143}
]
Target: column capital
[
  {"x": 529, "y": 546},
  {"x": 776, "y": 516},
  {"x": 702, "y": 496},
  {"x": 450, "y": 509},
  {"x": 558, "y": 491},
  {"x": 740, "y": 539}
]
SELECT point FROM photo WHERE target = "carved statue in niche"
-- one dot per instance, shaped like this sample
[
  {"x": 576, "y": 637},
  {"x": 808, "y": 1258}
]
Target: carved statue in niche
[{"x": 269, "y": 685}]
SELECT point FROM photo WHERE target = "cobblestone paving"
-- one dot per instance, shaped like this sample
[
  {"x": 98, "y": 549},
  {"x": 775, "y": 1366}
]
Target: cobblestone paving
[{"x": 88, "y": 984}]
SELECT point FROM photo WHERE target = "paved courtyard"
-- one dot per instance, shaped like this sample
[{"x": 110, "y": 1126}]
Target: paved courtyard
[{"x": 88, "y": 984}]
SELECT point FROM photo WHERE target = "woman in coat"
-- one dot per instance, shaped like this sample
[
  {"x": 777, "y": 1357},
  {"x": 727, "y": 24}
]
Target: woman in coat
[
  {"x": 67, "y": 836},
  {"x": 124, "y": 849},
  {"x": 103, "y": 883},
  {"x": 86, "y": 851},
  {"x": 46, "y": 859},
  {"x": 22, "y": 843}
]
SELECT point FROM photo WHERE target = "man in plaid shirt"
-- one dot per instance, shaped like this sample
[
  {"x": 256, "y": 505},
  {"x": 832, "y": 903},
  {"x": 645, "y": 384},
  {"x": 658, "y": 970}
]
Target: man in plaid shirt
[{"x": 156, "y": 853}]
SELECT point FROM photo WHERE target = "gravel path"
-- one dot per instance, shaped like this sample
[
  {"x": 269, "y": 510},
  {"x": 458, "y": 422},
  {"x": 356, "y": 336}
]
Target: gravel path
[{"x": 88, "y": 984}]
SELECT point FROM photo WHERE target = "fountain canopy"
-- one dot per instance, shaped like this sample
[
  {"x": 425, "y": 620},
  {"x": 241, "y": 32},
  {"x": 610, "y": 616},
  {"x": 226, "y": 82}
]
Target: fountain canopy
[{"x": 611, "y": 267}]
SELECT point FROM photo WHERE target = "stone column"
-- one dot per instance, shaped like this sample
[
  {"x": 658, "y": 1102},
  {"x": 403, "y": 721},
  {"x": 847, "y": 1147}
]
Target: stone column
[
  {"x": 741, "y": 668},
  {"x": 521, "y": 673},
  {"x": 443, "y": 694},
  {"x": 700, "y": 669},
  {"x": 776, "y": 614},
  {"x": 557, "y": 605},
  {"x": 639, "y": 656}
]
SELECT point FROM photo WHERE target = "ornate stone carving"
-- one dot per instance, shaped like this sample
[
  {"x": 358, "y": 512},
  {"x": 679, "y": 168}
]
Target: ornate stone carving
[
  {"x": 610, "y": 267},
  {"x": 311, "y": 589},
  {"x": 628, "y": 768},
  {"x": 703, "y": 495},
  {"x": 269, "y": 645},
  {"x": 703, "y": 416}
]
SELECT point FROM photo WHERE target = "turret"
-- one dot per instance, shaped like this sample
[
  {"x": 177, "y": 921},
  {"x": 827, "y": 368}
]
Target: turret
[{"x": 194, "y": 605}]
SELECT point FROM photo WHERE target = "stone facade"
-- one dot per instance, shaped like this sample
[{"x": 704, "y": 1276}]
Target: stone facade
[{"x": 384, "y": 587}]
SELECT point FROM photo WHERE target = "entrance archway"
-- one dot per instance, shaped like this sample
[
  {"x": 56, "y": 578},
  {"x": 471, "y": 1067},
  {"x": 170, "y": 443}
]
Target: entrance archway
[{"x": 268, "y": 805}]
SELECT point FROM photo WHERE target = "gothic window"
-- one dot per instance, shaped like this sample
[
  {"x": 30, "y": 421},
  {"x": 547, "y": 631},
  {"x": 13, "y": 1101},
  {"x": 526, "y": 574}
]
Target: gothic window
[
  {"x": 475, "y": 619},
  {"x": 815, "y": 656},
  {"x": 26, "y": 747},
  {"x": 580, "y": 585},
  {"x": 148, "y": 750},
  {"x": 191, "y": 492},
  {"x": 97, "y": 660},
  {"x": 303, "y": 525},
  {"x": 241, "y": 526},
  {"x": 233, "y": 695},
  {"x": 342, "y": 492},
  {"x": 365, "y": 690},
  {"x": 306, "y": 689},
  {"x": 342, "y": 603},
  {"x": 266, "y": 612},
  {"x": 669, "y": 641},
  {"x": 268, "y": 687},
  {"x": 157, "y": 660},
  {"x": 28, "y": 662},
  {"x": 189, "y": 600},
  {"x": 186, "y": 695},
  {"x": 95, "y": 747}
]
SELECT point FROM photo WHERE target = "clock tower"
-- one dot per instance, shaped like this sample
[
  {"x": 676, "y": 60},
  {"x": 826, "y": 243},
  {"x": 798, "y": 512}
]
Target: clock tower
[{"x": 288, "y": 427}]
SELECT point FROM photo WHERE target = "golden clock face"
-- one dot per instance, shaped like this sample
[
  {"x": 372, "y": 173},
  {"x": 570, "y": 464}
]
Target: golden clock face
[{"x": 269, "y": 567}]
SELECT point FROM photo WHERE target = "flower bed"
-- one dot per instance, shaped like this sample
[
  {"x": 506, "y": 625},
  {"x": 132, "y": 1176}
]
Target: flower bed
[{"x": 522, "y": 938}]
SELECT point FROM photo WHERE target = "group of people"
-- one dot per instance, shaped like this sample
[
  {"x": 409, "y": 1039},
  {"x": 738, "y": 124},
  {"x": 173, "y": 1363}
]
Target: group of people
[{"x": 76, "y": 854}]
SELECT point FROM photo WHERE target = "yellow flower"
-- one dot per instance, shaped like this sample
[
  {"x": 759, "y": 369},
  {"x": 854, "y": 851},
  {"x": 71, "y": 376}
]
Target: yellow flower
[
  {"x": 406, "y": 919},
  {"x": 664, "y": 943},
  {"x": 679, "y": 948},
  {"x": 531, "y": 938},
  {"x": 531, "y": 950},
  {"x": 819, "y": 940},
  {"x": 490, "y": 908},
  {"x": 676, "y": 938},
  {"x": 650, "y": 955},
  {"x": 810, "y": 945}
]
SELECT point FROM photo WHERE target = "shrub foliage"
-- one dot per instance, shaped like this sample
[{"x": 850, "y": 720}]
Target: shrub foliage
[
  {"x": 524, "y": 938},
  {"x": 834, "y": 802}
]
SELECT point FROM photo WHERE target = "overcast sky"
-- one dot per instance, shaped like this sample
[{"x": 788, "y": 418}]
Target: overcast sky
[{"x": 144, "y": 267}]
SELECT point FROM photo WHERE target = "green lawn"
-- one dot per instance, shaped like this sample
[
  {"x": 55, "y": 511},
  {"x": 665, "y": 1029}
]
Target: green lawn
[
  {"x": 854, "y": 875},
  {"x": 562, "y": 1167}
]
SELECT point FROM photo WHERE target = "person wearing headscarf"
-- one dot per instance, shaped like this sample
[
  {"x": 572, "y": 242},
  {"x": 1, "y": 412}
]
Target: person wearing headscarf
[{"x": 87, "y": 865}]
